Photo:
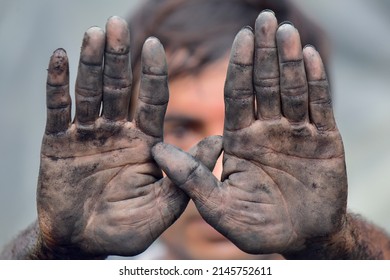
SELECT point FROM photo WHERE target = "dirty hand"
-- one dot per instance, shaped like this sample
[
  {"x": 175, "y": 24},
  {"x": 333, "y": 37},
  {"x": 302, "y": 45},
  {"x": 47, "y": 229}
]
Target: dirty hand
[
  {"x": 284, "y": 180},
  {"x": 100, "y": 191}
]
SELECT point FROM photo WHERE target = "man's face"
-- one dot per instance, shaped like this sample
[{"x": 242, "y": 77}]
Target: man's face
[{"x": 195, "y": 111}]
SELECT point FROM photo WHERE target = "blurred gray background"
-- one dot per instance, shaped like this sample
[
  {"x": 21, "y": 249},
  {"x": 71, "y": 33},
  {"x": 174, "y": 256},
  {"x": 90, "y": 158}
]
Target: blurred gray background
[{"x": 360, "y": 72}]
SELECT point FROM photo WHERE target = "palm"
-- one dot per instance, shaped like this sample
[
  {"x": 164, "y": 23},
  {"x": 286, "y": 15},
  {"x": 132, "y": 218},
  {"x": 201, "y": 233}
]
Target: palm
[
  {"x": 112, "y": 180},
  {"x": 285, "y": 186}
]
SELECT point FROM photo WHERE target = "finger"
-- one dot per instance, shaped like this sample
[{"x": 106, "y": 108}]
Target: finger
[
  {"x": 153, "y": 94},
  {"x": 293, "y": 84},
  {"x": 239, "y": 97},
  {"x": 58, "y": 100},
  {"x": 207, "y": 151},
  {"x": 266, "y": 68},
  {"x": 89, "y": 77},
  {"x": 117, "y": 70},
  {"x": 320, "y": 103},
  {"x": 193, "y": 177}
]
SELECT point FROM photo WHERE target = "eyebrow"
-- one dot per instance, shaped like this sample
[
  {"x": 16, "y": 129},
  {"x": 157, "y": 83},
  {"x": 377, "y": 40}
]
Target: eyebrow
[{"x": 180, "y": 118}]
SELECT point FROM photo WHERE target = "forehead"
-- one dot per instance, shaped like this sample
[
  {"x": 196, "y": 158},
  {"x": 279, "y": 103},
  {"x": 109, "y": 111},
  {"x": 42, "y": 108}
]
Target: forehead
[{"x": 199, "y": 95}]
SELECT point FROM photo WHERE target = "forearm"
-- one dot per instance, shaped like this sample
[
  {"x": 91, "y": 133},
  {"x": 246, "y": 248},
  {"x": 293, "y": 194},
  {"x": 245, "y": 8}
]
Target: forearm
[
  {"x": 358, "y": 240},
  {"x": 28, "y": 245}
]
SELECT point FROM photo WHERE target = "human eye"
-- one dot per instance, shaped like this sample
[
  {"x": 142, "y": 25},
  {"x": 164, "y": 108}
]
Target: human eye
[
  {"x": 182, "y": 133},
  {"x": 178, "y": 131}
]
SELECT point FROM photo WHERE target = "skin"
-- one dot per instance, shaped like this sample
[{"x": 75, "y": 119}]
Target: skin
[
  {"x": 284, "y": 180},
  {"x": 283, "y": 187},
  {"x": 196, "y": 111}
]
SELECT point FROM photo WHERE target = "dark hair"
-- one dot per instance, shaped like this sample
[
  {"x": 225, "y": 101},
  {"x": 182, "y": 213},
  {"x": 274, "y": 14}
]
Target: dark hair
[
  {"x": 198, "y": 32},
  {"x": 202, "y": 31}
]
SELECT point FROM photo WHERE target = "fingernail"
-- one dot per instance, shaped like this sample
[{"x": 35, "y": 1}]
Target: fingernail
[
  {"x": 310, "y": 46},
  {"x": 286, "y": 22},
  {"x": 247, "y": 28},
  {"x": 59, "y": 50},
  {"x": 267, "y": 11}
]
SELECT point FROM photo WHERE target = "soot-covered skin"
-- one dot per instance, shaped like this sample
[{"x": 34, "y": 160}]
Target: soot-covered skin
[
  {"x": 100, "y": 191},
  {"x": 284, "y": 179}
]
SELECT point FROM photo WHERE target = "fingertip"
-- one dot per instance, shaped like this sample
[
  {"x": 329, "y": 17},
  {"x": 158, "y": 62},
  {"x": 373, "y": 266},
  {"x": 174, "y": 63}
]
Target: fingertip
[
  {"x": 211, "y": 144},
  {"x": 153, "y": 57},
  {"x": 247, "y": 28},
  {"x": 286, "y": 23},
  {"x": 118, "y": 35},
  {"x": 265, "y": 29},
  {"x": 309, "y": 46},
  {"x": 313, "y": 63},
  {"x": 58, "y": 71},
  {"x": 176, "y": 163},
  {"x": 161, "y": 151},
  {"x": 267, "y": 11},
  {"x": 92, "y": 49},
  {"x": 153, "y": 40},
  {"x": 94, "y": 31},
  {"x": 309, "y": 52},
  {"x": 266, "y": 17},
  {"x": 214, "y": 142},
  {"x": 243, "y": 45},
  {"x": 285, "y": 30},
  {"x": 208, "y": 150},
  {"x": 60, "y": 50},
  {"x": 288, "y": 42},
  {"x": 116, "y": 19},
  {"x": 158, "y": 148},
  {"x": 286, "y": 26}
]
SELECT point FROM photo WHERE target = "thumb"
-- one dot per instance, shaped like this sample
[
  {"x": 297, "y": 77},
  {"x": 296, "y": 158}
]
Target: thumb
[{"x": 189, "y": 173}]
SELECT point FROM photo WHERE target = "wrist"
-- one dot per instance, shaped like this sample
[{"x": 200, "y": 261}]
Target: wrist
[
  {"x": 44, "y": 251},
  {"x": 337, "y": 245},
  {"x": 356, "y": 240}
]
